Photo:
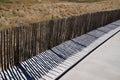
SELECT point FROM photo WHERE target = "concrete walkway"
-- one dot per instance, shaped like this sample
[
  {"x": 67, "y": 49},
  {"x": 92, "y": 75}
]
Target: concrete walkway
[{"x": 102, "y": 64}]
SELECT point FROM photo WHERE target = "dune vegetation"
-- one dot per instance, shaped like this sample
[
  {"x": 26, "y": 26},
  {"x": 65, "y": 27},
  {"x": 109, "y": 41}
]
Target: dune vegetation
[{"x": 16, "y": 12}]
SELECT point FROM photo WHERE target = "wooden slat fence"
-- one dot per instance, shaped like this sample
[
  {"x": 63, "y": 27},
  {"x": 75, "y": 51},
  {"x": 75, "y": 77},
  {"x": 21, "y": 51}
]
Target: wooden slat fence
[{"x": 20, "y": 43}]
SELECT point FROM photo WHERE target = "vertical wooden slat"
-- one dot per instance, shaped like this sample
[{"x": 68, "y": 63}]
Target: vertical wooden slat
[
  {"x": 28, "y": 41},
  {"x": 35, "y": 35},
  {"x": 50, "y": 37},
  {"x": 16, "y": 55},
  {"x": 26, "y": 55},
  {"x": 40, "y": 40},
  {"x": 10, "y": 47},
  {"x": 26, "y": 44},
  {"x": 7, "y": 49},
  {"x": 32, "y": 41},
  {"x": 13, "y": 45},
  {"x": 23, "y": 39},
  {"x": 4, "y": 56},
  {"x": 1, "y": 60}
]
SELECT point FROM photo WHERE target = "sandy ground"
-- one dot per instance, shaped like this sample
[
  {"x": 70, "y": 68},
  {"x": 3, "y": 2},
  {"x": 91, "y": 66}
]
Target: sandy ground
[{"x": 13, "y": 15}]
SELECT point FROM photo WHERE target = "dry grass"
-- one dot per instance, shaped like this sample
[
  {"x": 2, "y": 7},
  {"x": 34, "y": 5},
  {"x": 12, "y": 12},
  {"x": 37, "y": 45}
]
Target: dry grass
[{"x": 13, "y": 14}]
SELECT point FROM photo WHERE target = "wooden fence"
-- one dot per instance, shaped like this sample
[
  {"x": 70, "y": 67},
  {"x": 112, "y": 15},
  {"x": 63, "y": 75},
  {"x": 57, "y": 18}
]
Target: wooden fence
[{"x": 20, "y": 43}]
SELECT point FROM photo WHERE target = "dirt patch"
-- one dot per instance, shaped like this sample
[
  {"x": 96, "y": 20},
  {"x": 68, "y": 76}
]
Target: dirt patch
[{"x": 13, "y": 15}]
